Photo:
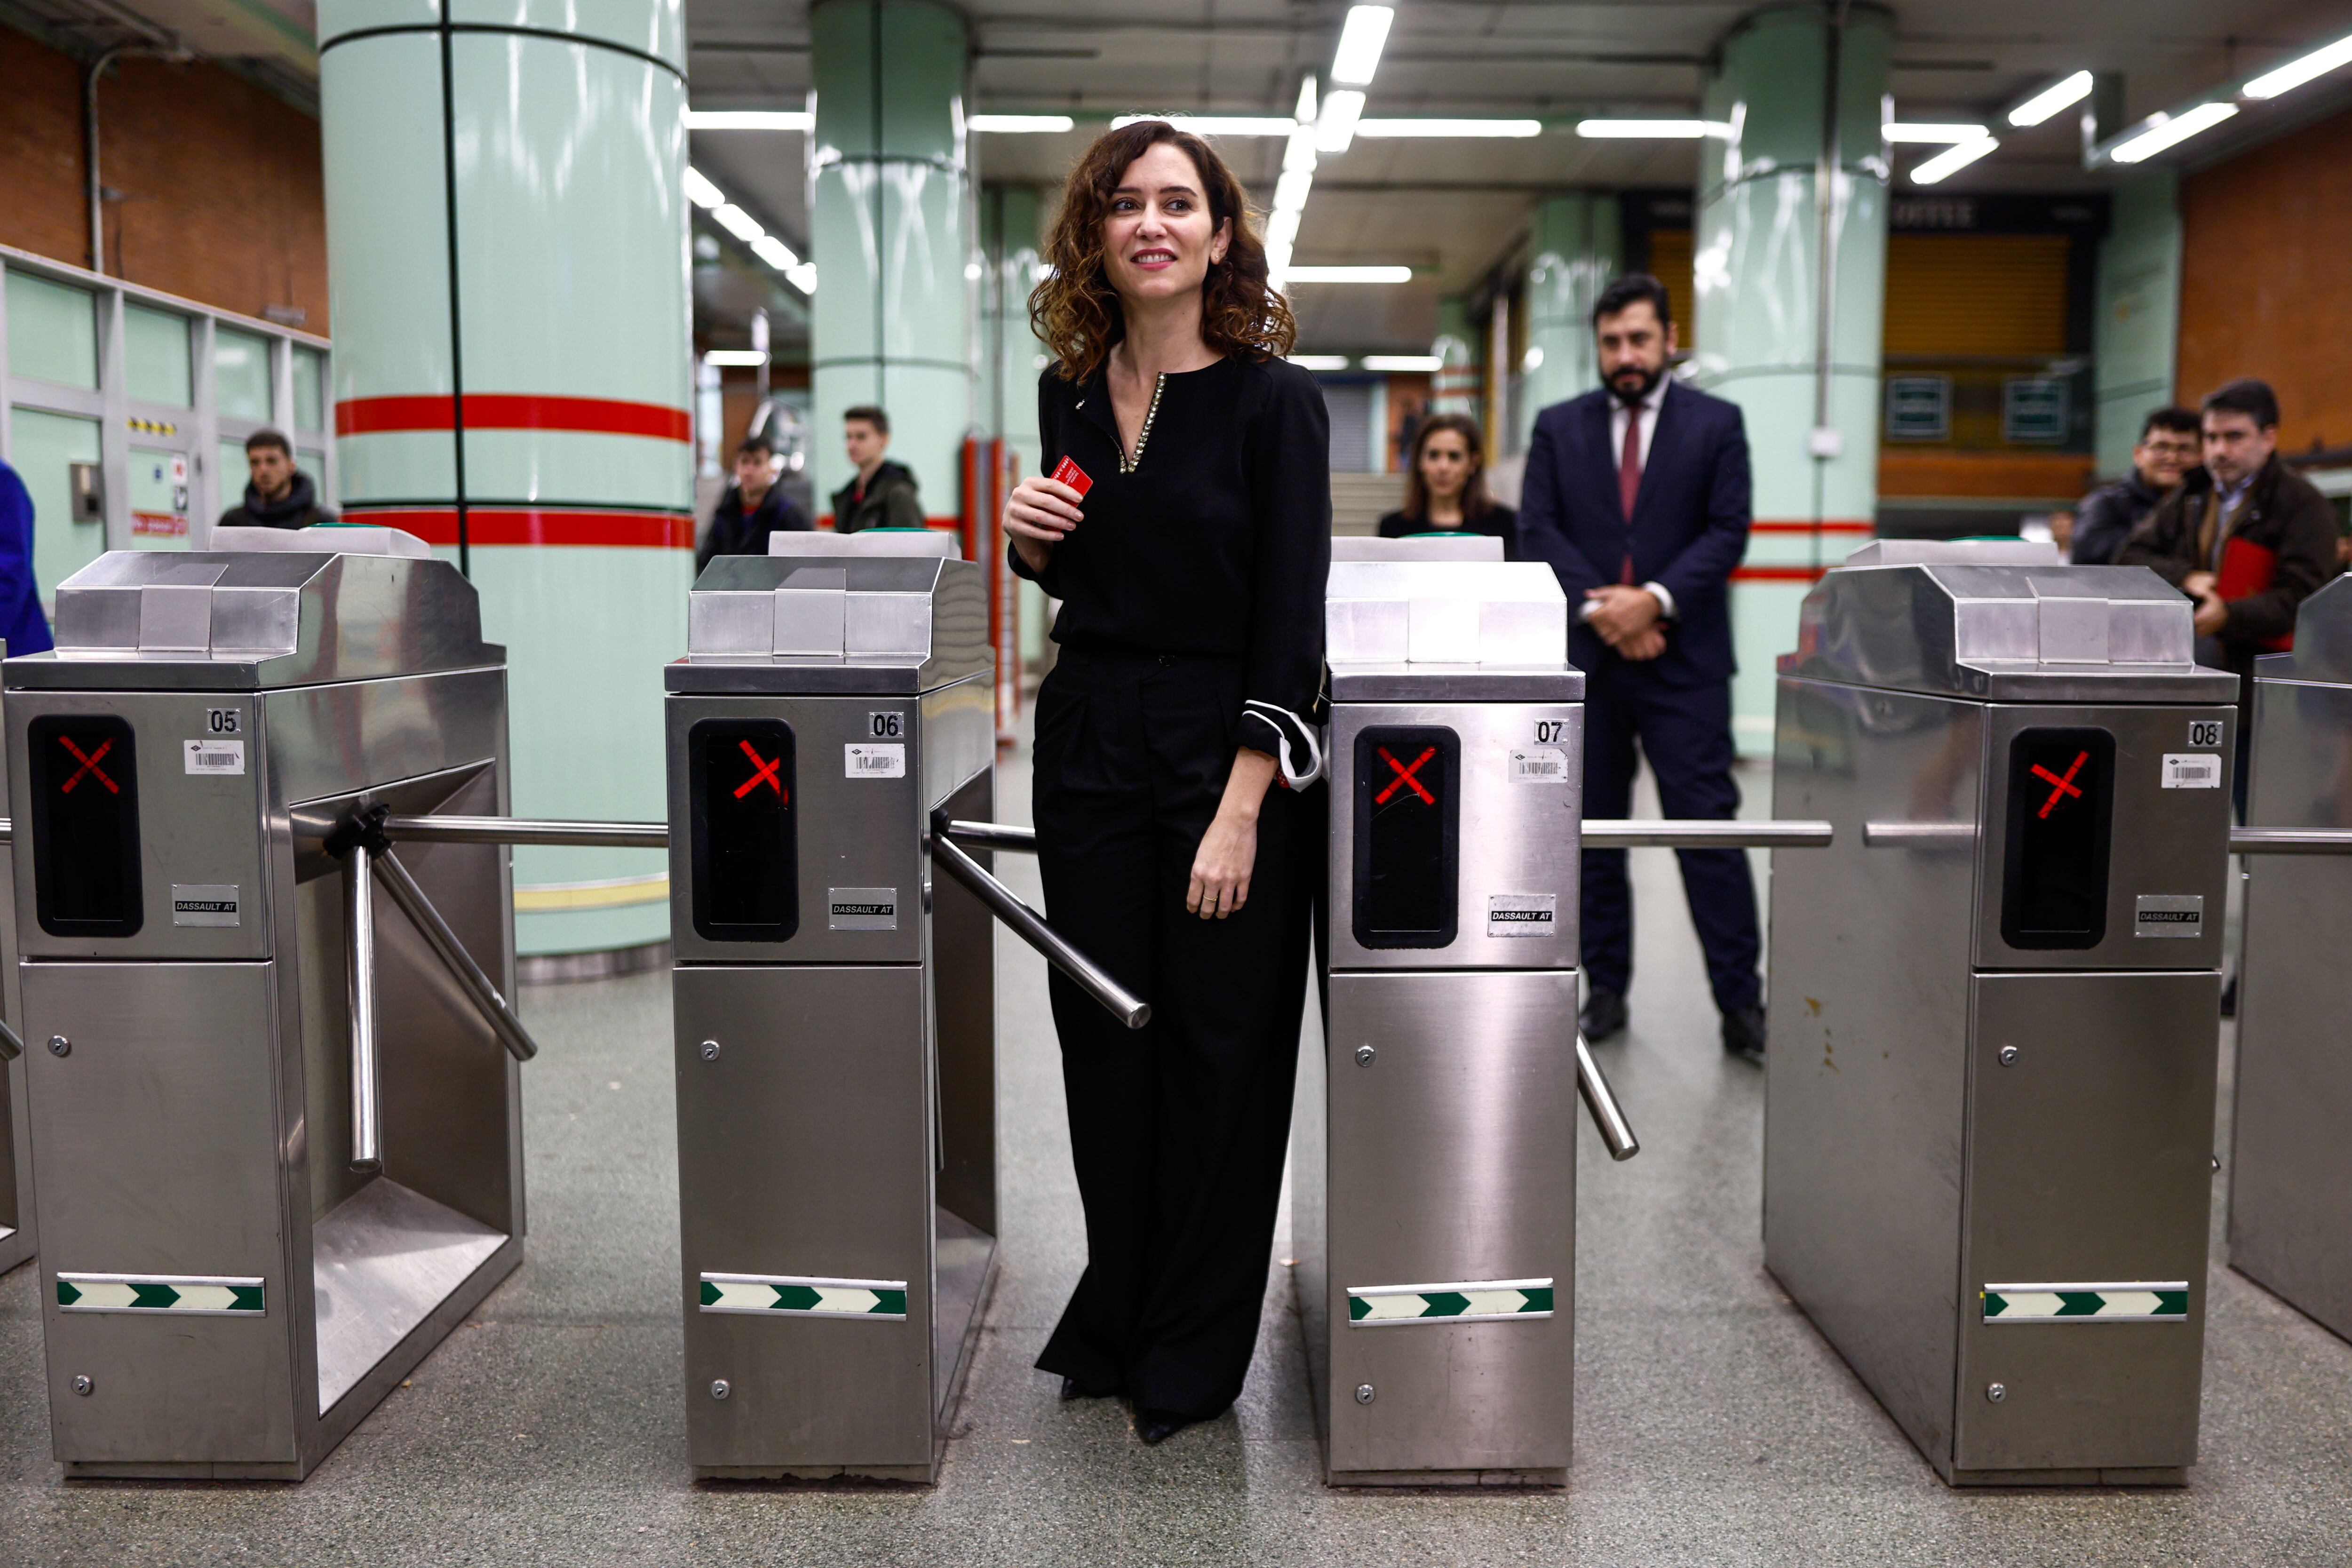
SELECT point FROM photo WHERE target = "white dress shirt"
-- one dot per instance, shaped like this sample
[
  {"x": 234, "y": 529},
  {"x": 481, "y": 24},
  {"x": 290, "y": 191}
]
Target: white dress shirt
[{"x": 1620, "y": 411}]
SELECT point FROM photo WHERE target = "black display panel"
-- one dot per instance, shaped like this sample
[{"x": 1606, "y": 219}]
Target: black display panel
[
  {"x": 2061, "y": 787},
  {"x": 1408, "y": 828},
  {"x": 745, "y": 845},
  {"x": 85, "y": 826}
]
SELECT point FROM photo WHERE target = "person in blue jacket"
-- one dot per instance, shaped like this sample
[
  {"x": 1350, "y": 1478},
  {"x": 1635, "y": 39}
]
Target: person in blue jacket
[
  {"x": 21, "y": 621},
  {"x": 1637, "y": 495}
]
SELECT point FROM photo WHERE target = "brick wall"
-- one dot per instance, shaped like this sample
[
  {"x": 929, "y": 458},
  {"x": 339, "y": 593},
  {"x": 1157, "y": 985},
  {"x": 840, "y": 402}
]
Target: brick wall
[
  {"x": 2263, "y": 238},
  {"x": 223, "y": 201}
]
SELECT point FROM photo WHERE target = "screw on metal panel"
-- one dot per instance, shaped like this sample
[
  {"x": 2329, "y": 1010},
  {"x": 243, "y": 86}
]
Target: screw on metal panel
[
  {"x": 1364, "y": 1055},
  {"x": 59, "y": 1046},
  {"x": 2008, "y": 1056},
  {"x": 1996, "y": 1391},
  {"x": 711, "y": 1050},
  {"x": 1363, "y": 1393},
  {"x": 719, "y": 1389},
  {"x": 2217, "y": 1161},
  {"x": 82, "y": 1384}
]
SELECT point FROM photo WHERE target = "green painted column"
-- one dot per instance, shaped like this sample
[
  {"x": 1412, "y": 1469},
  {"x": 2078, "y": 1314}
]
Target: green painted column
[
  {"x": 1579, "y": 247},
  {"x": 2135, "y": 338},
  {"x": 1454, "y": 390},
  {"x": 507, "y": 258},
  {"x": 1789, "y": 297},
  {"x": 891, "y": 225},
  {"x": 1010, "y": 235}
]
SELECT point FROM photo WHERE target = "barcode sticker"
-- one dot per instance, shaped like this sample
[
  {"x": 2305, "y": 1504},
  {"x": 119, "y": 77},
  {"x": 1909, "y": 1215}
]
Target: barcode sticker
[
  {"x": 885, "y": 761},
  {"x": 222, "y": 757},
  {"x": 1538, "y": 764},
  {"x": 2193, "y": 770}
]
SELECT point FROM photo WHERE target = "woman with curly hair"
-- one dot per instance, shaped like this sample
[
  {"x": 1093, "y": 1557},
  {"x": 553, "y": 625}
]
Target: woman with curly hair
[{"x": 1186, "y": 529}]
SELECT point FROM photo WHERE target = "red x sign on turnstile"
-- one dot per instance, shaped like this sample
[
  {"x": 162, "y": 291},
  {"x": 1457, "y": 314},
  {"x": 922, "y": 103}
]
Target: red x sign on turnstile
[
  {"x": 765, "y": 773},
  {"x": 88, "y": 765},
  {"x": 1404, "y": 777},
  {"x": 2060, "y": 787}
]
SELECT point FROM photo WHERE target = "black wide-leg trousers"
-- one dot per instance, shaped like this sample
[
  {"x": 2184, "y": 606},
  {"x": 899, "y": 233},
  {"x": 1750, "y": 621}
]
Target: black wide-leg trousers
[{"x": 1178, "y": 1129}]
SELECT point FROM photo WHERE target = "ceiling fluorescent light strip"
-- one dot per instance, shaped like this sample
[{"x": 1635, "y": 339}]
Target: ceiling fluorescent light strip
[
  {"x": 1953, "y": 159},
  {"x": 2061, "y": 94},
  {"x": 1361, "y": 38},
  {"x": 748, "y": 119},
  {"x": 1320, "y": 362},
  {"x": 1334, "y": 127},
  {"x": 1445, "y": 128},
  {"x": 2170, "y": 132},
  {"x": 1931, "y": 131},
  {"x": 736, "y": 357},
  {"x": 2295, "y": 72},
  {"x": 1409, "y": 363}
]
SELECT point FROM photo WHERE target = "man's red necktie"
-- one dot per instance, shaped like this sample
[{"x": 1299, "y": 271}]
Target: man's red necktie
[{"x": 1629, "y": 473}]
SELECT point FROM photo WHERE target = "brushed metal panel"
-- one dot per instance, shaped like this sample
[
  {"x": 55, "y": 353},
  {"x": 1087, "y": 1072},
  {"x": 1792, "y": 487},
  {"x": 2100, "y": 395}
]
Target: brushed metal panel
[
  {"x": 380, "y": 1264},
  {"x": 2291, "y": 1169},
  {"x": 156, "y": 1148},
  {"x": 1865, "y": 1090},
  {"x": 804, "y": 1148},
  {"x": 961, "y": 948},
  {"x": 15, "y": 1134},
  {"x": 2170, "y": 842},
  {"x": 192, "y": 828},
  {"x": 1452, "y": 1157},
  {"x": 2089, "y": 1159},
  {"x": 334, "y": 739},
  {"x": 1517, "y": 837}
]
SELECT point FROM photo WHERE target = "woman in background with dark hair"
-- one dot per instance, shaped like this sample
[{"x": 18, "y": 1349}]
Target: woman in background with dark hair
[
  {"x": 1446, "y": 487},
  {"x": 1186, "y": 528}
]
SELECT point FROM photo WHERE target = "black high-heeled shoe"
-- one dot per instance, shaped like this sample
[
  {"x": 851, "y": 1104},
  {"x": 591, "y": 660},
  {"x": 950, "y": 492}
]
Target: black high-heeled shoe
[{"x": 1156, "y": 1426}]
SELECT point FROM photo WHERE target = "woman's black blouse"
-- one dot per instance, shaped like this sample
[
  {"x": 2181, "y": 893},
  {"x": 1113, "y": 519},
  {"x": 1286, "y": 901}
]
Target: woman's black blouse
[
  {"x": 1498, "y": 521},
  {"x": 1219, "y": 543}
]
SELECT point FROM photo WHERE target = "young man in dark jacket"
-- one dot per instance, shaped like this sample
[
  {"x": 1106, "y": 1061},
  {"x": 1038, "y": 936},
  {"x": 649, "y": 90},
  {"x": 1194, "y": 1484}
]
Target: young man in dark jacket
[
  {"x": 883, "y": 495},
  {"x": 755, "y": 506},
  {"x": 2108, "y": 517},
  {"x": 2244, "y": 536},
  {"x": 279, "y": 494}
]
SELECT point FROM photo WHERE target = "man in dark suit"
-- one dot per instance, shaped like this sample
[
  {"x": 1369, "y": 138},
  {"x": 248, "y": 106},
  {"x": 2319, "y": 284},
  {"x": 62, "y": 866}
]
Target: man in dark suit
[{"x": 1638, "y": 495}]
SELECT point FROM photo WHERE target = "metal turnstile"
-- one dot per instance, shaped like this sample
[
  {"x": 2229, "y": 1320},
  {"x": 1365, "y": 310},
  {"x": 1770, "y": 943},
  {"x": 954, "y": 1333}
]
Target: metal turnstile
[
  {"x": 1989, "y": 1122},
  {"x": 16, "y": 1230},
  {"x": 835, "y": 1001},
  {"x": 275, "y": 1137},
  {"x": 2291, "y": 1164}
]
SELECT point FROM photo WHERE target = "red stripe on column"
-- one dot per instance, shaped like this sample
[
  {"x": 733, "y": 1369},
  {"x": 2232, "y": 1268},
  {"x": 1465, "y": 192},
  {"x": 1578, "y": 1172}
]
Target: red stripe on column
[
  {"x": 1778, "y": 573},
  {"x": 514, "y": 411},
  {"x": 527, "y": 525},
  {"x": 1847, "y": 526}
]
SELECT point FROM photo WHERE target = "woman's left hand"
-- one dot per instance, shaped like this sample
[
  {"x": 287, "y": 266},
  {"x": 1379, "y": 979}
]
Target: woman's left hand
[{"x": 1228, "y": 851}]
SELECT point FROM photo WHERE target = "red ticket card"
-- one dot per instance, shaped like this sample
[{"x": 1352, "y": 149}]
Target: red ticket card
[{"x": 1070, "y": 474}]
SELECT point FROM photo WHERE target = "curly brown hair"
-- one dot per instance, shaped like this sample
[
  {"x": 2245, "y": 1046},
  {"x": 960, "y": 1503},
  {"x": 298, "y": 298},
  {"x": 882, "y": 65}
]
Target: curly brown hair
[{"x": 1074, "y": 311}]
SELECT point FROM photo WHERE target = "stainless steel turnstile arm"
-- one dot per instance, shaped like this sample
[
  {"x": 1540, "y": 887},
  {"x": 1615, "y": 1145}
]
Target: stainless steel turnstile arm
[
  {"x": 2290, "y": 841},
  {"x": 525, "y": 830},
  {"x": 1031, "y": 927},
  {"x": 7, "y": 831},
  {"x": 1917, "y": 835},
  {"x": 359, "y": 964},
  {"x": 1652, "y": 833},
  {"x": 995, "y": 835},
  {"x": 1608, "y": 1116},
  {"x": 12, "y": 1044},
  {"x": 427, "y": 920}
]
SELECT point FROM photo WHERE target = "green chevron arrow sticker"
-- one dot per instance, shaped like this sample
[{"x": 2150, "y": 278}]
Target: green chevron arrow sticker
[
  {"x": 1464, "y": 1301},
  {"x": 199, "y": 1295},
  {"x": 2133, "y": 1302},
  {"x": 793, "y": 1295}
]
